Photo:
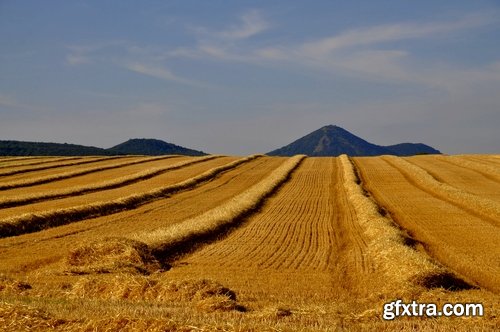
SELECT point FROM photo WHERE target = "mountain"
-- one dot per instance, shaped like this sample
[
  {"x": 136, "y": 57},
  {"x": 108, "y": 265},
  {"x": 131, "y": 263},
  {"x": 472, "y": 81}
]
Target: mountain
[
  {"x": 19, "y": 148},
  {"x": 334, "y": 141},
  {"x": 411, "y": 149},
  {"x": 152, "y": 147}
]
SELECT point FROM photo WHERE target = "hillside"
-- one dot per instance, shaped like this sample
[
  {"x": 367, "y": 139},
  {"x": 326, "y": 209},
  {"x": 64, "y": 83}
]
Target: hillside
[
  {"x": 19, "y": 148},
  {"x": 411, "y": 149},
  {"x": 334, "y": 141},
  {"x": 152, "y": 147},
  {"x": 149, "y": 147}
]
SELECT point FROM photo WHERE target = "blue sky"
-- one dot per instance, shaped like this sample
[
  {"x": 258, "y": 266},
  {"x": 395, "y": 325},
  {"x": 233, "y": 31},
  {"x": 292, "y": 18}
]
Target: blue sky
[{"x": 240, "y": 77}]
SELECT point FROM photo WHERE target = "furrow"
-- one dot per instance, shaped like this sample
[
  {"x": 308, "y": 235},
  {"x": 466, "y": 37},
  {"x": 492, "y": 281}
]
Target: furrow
[
  {"x": 170, "y": 240},
  {"x": 396, "y": 262},
  {"x": 40, "y": 162},
  {"x": 6, "y": 159},
  {"x": 58, "y": 165},
  {"x": 283, "y": 235},
  {"x": 474, "y": 204},
  {"x": 463, "y": 242},
  {"x": 110, "y": 184},
  {"x": 487, "y": 170},
  {"x": 32, "y": 222},
  {"x": 39, "y": 249},
  {"x": 460, "y": 177},
  {"x": 70, "y": 174}
]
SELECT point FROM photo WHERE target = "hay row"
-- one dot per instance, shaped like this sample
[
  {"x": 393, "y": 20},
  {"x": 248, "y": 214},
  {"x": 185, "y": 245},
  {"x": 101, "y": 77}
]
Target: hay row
[
  {"x": 484, "y": 169},
  {"x": 71, "y": 174},
  {"x": 111, "y": 184},
  {"x": 385, "y": 244},
  {"x": 32, "y": 222},
  {"x": 63, "y": 164},
  {"x": 39, "y": 162},
  {"x": 8, "y": 159},
  {"x": 297, "y": 229},
  {"x": 484, "y": 207},
  {"x": 169, "y": 241}
]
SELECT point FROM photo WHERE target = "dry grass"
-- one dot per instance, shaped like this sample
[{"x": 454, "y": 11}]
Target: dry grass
[
  {"x": 32, "y": 222},
  {"x": 111, "y": 184},
  {"x": 213, "y": 221},
  {"x": 463, "y": 241},
  {"x": 112, "y": 255},
  {"x": 58, "y": 165},
  {"x": 206, "y": 295},
  {"x": 402, "y": 266},
  {"x": 65, "y": 175},
  {"x": 38, "y": 162},
  {"x": 302, "y": 239},
  {"x": 478, "y": 205},
  {"x": 487, "y": 170}
]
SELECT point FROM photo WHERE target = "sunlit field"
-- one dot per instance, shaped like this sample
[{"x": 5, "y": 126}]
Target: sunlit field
[{"x": 256, "y": 243}]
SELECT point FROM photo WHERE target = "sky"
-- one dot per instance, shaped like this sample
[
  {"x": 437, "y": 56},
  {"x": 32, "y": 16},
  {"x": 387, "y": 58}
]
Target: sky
[{"x": 242, "y": 77}]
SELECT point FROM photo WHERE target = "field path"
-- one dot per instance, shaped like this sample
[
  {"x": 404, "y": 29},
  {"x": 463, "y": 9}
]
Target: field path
[{"x": 463, "y": 241}]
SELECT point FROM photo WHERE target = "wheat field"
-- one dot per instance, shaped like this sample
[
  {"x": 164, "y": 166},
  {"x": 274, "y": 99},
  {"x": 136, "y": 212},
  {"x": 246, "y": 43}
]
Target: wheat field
[{"x": 256, "y": 243}]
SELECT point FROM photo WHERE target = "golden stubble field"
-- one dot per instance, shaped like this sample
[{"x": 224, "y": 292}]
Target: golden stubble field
[{"x": 255, "y": 243}]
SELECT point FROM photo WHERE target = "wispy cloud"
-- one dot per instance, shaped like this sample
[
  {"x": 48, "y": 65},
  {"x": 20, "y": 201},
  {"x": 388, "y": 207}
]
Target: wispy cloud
[
  {"x": 250, "y": 24},
  {"x": 390, "y": 32},
  {"x": 146, "y": 60},
  {"x": 366, "y": 52},
  {"x": 160, "y": 72}
]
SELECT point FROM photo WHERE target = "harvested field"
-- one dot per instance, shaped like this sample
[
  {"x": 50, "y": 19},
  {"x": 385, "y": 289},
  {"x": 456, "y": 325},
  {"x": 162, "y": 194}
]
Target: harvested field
[
  {"x": 52, "y": 165},
  {"x": 50, "y": 175},
  {"x": 249, "y": 244},
  {"x": 31, "y": 162},
  {"x": 458, "y": 237}
]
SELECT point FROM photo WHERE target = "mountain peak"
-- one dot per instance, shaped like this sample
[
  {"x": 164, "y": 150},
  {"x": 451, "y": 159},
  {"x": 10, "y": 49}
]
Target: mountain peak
[{"x": 332, "y": 140}]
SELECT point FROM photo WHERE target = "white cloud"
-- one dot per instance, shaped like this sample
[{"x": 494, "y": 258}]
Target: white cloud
[
  {"x": 252, "y": 24},
  {"x": 390, "y": 32},
  {"x": 160, "y": 72}
]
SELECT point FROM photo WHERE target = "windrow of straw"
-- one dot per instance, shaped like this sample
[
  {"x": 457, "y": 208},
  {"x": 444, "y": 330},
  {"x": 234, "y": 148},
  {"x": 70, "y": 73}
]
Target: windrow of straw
[
  {"x": 59, "y": 165},
  {"x": 38, "y": 162},
  {"x": 170, "y": 241},
  {"x": 484, "y": 207},
  {"x": 205, "y": 294},
  {"x": 9, "y": 159},
  {"x": 32, "y": 222},
  {"x": 484, "y": 169},
  {"x": 72, "y": 174},
  {"x": 84, "y": 189},
  {"x": 399, "y": 264}
]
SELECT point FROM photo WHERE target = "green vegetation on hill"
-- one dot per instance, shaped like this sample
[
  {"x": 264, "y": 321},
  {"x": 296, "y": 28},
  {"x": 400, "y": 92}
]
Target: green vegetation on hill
[
  {"x": 150, "y": 147},
  {"x": 18, "y": 148}
]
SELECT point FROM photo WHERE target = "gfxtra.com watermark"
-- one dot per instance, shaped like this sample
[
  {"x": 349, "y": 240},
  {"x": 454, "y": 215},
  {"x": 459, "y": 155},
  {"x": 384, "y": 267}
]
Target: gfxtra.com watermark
[{"x": 413, "y": 309}]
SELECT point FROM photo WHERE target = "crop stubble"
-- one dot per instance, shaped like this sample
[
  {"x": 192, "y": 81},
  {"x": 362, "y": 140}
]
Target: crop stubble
[
  {"x": 461, "y": 240},
  {"x": 52, "y": 244}
]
